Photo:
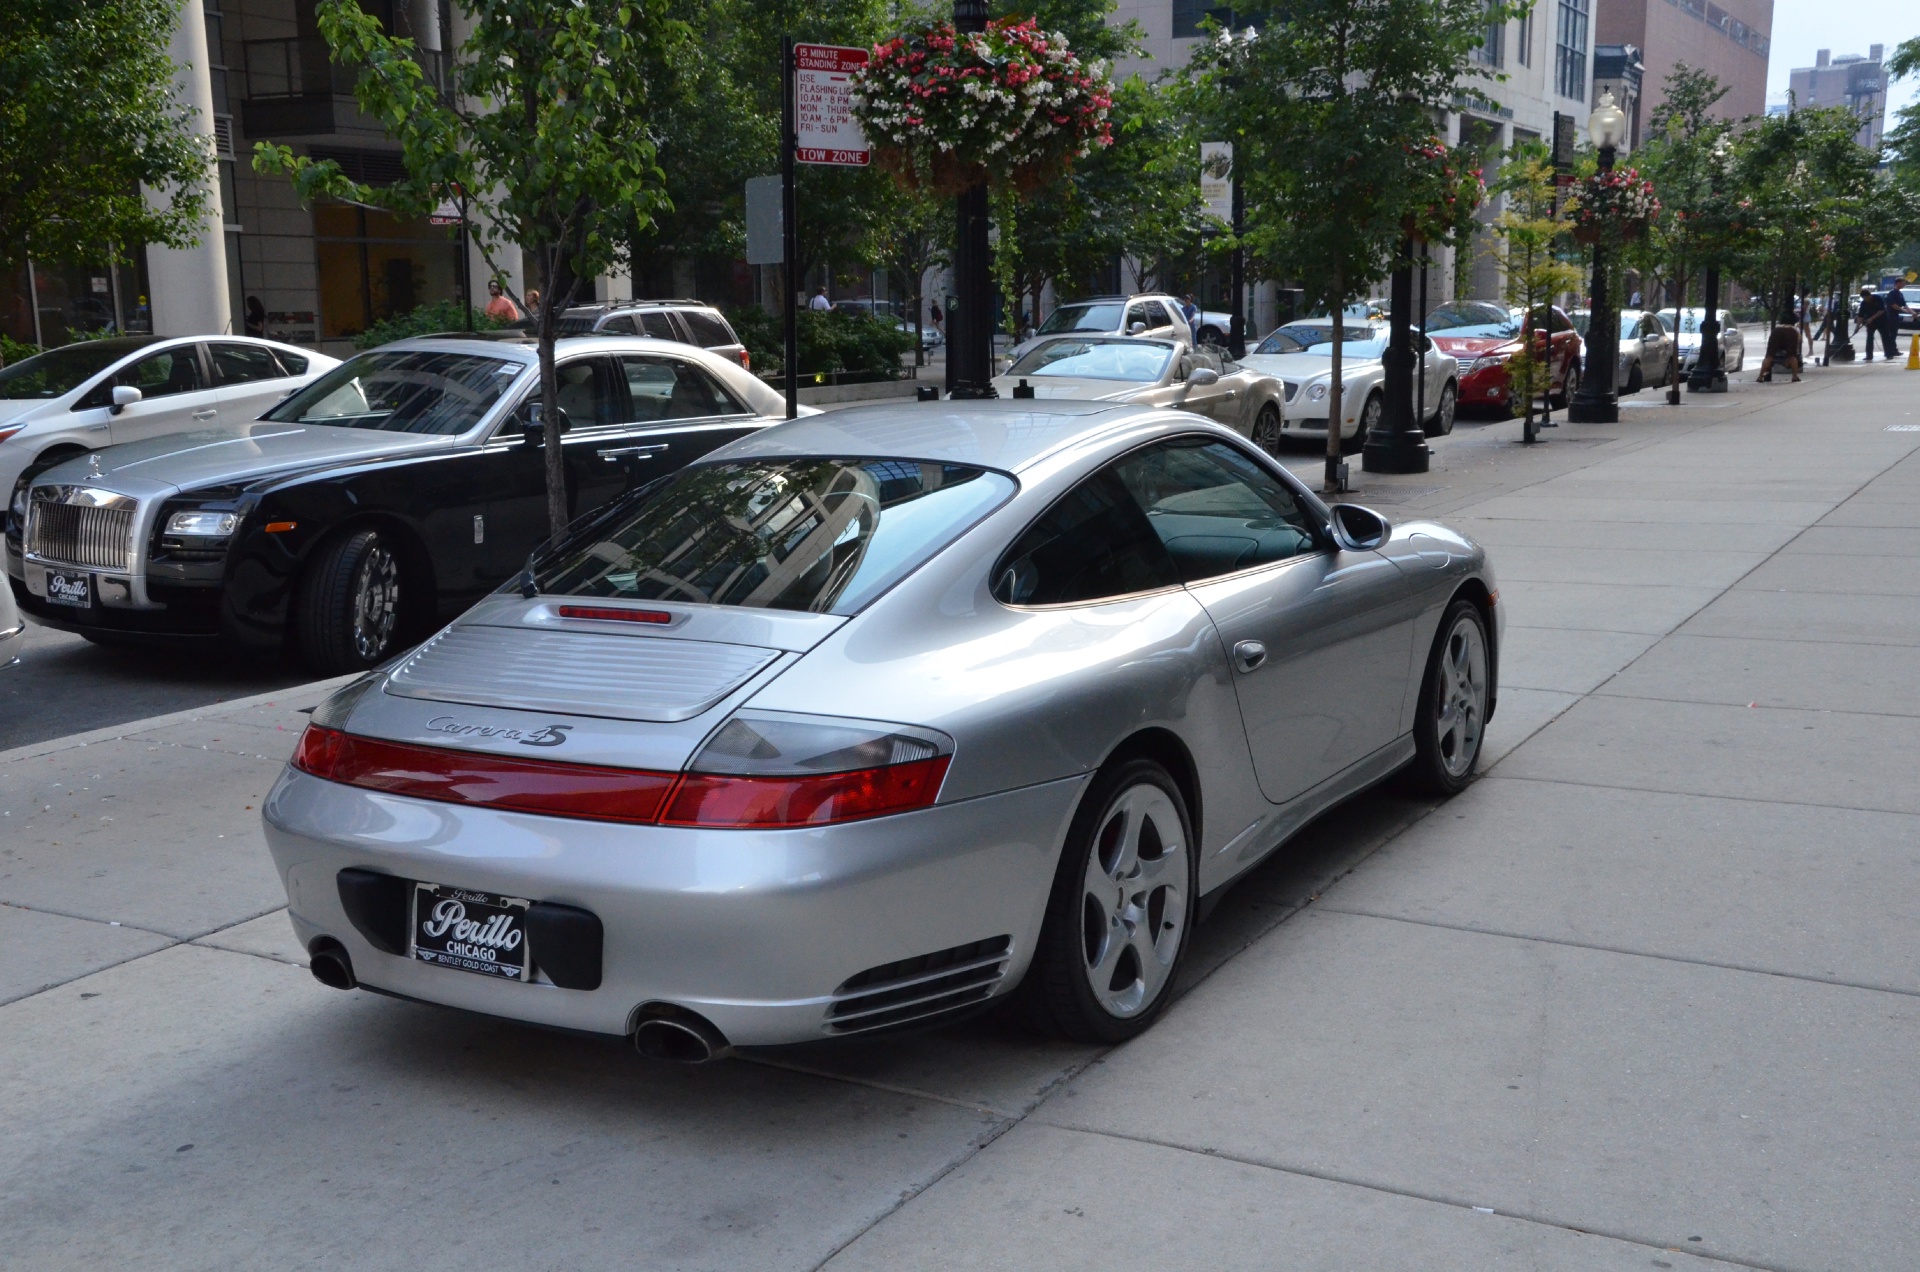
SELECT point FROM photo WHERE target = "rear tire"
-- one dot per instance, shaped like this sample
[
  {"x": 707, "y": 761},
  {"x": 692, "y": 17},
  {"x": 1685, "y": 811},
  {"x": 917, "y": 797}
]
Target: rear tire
[
  {"x": 1370, "y": 413},
  {"x": 1444, "y": 416},
  {"x": 1120, "y": 911},
  {"x": 348, "y": 618},
  {"x": 1452, "y": 718},
  {"x": 1635, "y": 380},
  {"x": 1570, "y": 387}
]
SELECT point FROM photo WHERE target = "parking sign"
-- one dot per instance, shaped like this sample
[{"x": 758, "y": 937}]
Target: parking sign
[{"x": 824, "y": 128}]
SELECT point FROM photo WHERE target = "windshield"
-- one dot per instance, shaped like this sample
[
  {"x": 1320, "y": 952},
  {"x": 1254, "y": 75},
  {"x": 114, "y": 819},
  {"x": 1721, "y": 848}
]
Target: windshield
[
  {"x": 1142, "y": 360},
  {"x": 1356, "y": 342},
  {"x": 819, "y": 535},
  {"x": 1471, "y": 319},
  {"x": 1101, "y": 317},
  {"x": 403, "y": 391},
  {"x": 58, "y": 372}
]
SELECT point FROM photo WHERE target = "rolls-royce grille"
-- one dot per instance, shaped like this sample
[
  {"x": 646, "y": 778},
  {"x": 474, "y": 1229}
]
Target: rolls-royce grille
[
  {"x": 916, "y": 989},
  {"x": 79, "y": 535}
]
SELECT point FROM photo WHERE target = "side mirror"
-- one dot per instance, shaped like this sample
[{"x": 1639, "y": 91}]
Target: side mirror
[
  {"x": 1203, "y": 376},
  {"x": 1135, "y": 328},
  {"x": 534, "y": 429},
  {"x": 124, "y": 395},
  {"x": 1359, "y": 529}
]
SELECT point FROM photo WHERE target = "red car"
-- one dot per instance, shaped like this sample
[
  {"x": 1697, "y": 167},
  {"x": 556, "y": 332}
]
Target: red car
[{"x": 1484, "y": 336}]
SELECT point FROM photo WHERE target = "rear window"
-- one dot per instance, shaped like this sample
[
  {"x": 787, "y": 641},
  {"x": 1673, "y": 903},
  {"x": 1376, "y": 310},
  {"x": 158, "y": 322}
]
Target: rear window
[
  {"x": 819, "y": 535},
  {"x": 1101, "y": 317},
  {"x": 410, "y": 391},
  {"x": 709, "y": 329}
]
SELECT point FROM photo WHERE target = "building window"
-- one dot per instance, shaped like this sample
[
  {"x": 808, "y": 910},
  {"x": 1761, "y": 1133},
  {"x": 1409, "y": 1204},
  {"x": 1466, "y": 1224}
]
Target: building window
[
  {"x": 1492, "y": 49},
  {"x": 1189, "y": 14},
  {"x": 1523, "y": 40},
  {"x": 374, "y": 265},
  {"x": 1570, "y": 51}
]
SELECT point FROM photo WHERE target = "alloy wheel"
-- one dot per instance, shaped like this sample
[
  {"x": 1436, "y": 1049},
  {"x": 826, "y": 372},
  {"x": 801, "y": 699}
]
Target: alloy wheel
[
  {"x": 1443, "y": 418},
  {"x": 1463, "y": 696},
  {"x": 1266, "y": 429},
  {"x": 376, "y": 603},
  {"x": 1133, "y": 901}
]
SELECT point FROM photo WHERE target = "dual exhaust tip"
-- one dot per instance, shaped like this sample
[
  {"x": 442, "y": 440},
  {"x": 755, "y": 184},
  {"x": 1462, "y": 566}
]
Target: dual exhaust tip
[{"x": 662, "y": 1031}]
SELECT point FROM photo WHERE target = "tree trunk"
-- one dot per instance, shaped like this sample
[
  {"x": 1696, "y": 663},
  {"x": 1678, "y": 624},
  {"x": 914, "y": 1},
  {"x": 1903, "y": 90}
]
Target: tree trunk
[{"x": 563, "y": 282}]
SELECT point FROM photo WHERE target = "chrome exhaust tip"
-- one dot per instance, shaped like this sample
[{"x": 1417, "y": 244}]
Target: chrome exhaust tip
[
  {"x": 679, "y": 1036},
  {"x": 330, "y": 964}
]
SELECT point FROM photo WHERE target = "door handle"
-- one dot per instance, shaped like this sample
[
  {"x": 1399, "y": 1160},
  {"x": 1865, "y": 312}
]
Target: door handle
[
  {"x": 614, "y": 454},
  {"x": 206, "y": 413},
  {"x": 1249, "y": 654}
]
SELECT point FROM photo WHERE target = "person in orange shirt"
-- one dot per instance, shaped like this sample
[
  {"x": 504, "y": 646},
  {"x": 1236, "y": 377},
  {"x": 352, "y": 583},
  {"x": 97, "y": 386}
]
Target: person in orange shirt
[{"x": 499, "y": 306}]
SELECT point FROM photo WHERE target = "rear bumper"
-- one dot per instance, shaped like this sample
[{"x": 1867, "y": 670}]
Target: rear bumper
[{"x": 754, "y": 930}]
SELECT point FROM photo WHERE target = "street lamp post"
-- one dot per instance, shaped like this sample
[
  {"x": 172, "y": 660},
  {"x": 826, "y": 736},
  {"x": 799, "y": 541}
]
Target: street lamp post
[
  {"x": 970, "y": 344},
  {"x": 1598, "y": 400},
  {"x": 1708, "y": 375},
  {"x": 1398, "y": 445}
]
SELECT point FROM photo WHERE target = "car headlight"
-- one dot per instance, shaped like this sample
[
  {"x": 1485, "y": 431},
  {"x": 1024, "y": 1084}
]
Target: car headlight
[
  {"x": 1317, "y": 393},
  {"x": 197, "y": 524},
  {"x": 1482, "y": 364}
]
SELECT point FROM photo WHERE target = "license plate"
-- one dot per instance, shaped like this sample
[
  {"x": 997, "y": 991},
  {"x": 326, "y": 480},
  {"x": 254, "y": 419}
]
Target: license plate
[
  {"x": 470, "y": 931},
  {"x": 64, "y": 588}
]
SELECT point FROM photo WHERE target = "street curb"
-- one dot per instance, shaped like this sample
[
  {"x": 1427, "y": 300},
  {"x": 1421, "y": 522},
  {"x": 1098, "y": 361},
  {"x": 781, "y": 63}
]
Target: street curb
[{"x": 114, "y": 732}]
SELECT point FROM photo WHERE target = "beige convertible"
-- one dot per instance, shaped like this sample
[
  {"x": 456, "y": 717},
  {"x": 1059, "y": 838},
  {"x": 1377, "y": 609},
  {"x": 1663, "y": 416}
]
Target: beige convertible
[{"x": 1149, "y": 373}]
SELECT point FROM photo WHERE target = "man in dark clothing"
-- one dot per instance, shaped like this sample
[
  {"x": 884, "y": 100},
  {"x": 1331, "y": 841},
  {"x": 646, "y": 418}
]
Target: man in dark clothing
[
  {"x": 1876, "y": 320},
  {"x": 1783, "y": 348}
]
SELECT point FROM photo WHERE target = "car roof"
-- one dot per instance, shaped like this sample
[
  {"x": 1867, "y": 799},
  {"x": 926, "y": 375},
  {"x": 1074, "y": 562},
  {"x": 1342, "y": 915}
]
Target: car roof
[
  {"x": 1008, "y": 434},
  {"x": 523, "y": 347}
]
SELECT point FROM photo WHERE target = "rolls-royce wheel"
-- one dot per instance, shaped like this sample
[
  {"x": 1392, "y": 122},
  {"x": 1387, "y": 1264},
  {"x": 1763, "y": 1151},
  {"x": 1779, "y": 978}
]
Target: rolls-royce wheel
[
  {"x": 1370, "y": 415},
  {"x": 1266, "y": 429},
  {"x": 1117, "y": 919},
  {"x": 1443, "y": 417},
  {"x": 1453, "y": 703},
  {"x": 348, "y": 617}
]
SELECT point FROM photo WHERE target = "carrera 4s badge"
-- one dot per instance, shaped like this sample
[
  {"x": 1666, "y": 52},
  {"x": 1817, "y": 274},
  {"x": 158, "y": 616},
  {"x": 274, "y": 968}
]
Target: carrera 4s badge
[{"x": 546, "y": 735}]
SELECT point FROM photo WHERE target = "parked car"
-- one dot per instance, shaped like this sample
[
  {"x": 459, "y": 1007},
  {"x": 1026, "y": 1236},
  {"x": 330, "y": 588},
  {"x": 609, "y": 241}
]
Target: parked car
[
  {"x": 1149, "y": 373},
  {"x": 1154, "y": 316},
  {"x": 1300, "y": 356},
  {"x": 1486, "y": 337},
  {"x": 687, "y": 321},
  {"x": 80, "y": 397},
  {"x": 875, "y": 718},
  {"x": 12, "y": 627},
  {"x": 369, "y": 507},
  {"x": 1733, "y": 345},
  {"x": 1214, "y": 327},
  {"x": 1646, "y": 348}
]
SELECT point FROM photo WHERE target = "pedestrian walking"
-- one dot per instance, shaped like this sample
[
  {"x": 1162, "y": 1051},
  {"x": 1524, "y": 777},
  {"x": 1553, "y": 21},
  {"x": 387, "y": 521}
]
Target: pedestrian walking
[
  {"x": 939, "y": 320},
  {"x": 1189, "y": 311},
  {"x": 1803, "y": 320},
  {"x": 256, "y": 317},
  {"x": 820, "y": 301},
  {"x": 1783, "y": 348},
  {"x": 500, "y": 307}
]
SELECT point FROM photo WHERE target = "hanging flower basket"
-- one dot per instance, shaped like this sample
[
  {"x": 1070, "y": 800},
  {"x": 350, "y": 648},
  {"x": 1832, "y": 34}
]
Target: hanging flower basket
[
  {"x": 1612, "y": 207},
  {"x": 1451, "y": 191},
  {"x": 945, "y": 111}
]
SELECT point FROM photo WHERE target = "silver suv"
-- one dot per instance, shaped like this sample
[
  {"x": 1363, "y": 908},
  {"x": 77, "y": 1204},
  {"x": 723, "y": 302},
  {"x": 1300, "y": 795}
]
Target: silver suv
[{"x": 688, "y": 321}]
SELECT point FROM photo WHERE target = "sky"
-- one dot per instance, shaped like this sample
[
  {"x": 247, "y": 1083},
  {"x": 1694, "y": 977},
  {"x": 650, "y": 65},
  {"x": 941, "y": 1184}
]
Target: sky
[{"x": 1803, "y": 27}]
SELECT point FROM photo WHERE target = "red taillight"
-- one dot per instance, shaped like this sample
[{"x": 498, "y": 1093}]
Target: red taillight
[
  {"x": 465, "y": 777},
  {"x": 614, "y": 614},
  {"x": 716, "y": 799},
  {"x": 746, "y": 359}
]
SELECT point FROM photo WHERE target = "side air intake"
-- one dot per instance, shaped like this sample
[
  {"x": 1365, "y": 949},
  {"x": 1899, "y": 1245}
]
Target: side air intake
[{"x": 919, "y": 989}]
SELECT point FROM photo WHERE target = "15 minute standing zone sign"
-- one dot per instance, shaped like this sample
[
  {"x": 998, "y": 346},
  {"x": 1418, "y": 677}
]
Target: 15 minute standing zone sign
[{"x": 824, "y": 128}]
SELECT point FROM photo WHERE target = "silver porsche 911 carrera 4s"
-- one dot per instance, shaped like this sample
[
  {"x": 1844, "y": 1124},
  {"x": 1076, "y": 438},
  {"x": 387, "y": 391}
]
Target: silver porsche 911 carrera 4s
[{"x": 870, "y": 718}]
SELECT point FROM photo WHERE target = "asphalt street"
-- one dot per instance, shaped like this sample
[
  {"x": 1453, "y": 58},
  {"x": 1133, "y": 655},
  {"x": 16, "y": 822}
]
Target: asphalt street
[{"x": 1645, "y": 996}]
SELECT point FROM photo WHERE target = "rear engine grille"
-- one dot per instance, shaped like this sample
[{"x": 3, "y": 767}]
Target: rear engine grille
[
  {"x": 916, "y": 989},
  {"x": 80, "y": 535}
]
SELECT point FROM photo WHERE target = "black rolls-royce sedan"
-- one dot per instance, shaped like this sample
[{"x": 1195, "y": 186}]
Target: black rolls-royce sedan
[{"x": 367, "y": 508}]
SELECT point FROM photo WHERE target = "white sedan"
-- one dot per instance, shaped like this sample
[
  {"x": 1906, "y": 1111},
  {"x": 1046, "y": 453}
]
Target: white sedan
[
  {"x": 1300, "y": 355},
  {"x": 1149, "y": 373},
  {"x": 97, "y": 393}
]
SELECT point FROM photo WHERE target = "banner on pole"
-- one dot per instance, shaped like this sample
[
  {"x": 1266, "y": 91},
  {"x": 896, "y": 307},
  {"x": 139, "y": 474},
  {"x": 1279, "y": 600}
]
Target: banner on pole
[
  {"x": 1216, "y": 180},
  {"x": 825, "y": 131}
]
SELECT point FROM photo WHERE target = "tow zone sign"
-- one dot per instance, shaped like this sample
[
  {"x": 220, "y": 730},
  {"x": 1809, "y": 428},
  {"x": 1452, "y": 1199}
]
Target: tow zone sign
[{"x": 825, "y": 130}]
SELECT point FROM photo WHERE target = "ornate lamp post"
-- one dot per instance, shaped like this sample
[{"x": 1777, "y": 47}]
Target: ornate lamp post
[
  {"x": 1398, "y": 445},
  {"x": 971, "y": 347},
  {"x": 1598, "y": 400},
  {"x": 1708, "y": 375}
]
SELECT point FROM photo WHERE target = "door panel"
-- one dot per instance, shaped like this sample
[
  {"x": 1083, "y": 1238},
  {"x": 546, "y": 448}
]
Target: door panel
[{"x": 175, "y": 396}]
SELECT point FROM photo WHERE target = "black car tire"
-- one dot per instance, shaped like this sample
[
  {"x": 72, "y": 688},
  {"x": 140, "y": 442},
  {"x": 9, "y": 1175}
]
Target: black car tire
[
  {"x": 348, "y": 614},
  {"x": 1635, "y": 380},
  {"x": 1370, "y": 413},
  {"x": 1444, "y": 413},
  {"x": 1452, "y": 719},
  {"x": 1569, "y": 386},
  {"x": 1267, "y": 434},
  {"x": 1058, "y": 996}
]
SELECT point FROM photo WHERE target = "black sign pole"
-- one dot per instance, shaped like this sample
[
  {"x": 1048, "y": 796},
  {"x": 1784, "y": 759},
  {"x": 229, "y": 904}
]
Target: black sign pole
[{"x": 789, "y": 235}]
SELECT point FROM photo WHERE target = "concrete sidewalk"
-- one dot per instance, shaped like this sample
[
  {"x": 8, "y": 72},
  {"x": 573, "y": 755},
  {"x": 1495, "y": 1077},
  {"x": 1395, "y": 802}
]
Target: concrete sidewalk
[{"x": 1644, "y": 996}]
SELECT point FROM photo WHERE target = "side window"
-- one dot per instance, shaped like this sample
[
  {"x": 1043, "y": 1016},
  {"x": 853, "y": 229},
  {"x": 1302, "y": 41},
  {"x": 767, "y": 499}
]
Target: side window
[
  {"x": 585, "y": 395},
  {"x": 1559, "y": 322},
  {"x": 658, "y": 323},
  {"x": 1136, "y": 313},
  {"x": 1214, "y": 508},
  {"x": 708, "y": 328},
  {"x": 620, "y": 325},
  {"x": 1157, "y": 315},
  {"x": 162, "y": 374},
  {"x": 669, "y": 389},
  {"x": 295, "y": 363},
  {"x": 1094, "y": 543},
  {"x": 242, "y": 363}
]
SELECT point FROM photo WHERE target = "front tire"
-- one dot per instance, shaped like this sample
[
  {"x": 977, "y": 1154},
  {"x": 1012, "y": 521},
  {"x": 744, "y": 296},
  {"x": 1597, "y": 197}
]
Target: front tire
[
  {"x": 1635, "y": 380},
  {"x": 1454, "y": 694},
  {"x": 1266, "y": 429},
  {"x": 349, "y": 608},
  {"x": 1118, "y": 916}
]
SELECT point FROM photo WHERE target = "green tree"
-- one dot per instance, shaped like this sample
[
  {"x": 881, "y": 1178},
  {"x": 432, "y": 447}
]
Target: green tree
[
  {"x": 1528, "y": 233},
  {"x": 542, "y": 125},
  {"x": 1327, "y": 107},
  {"x": 87, "y": 118}
]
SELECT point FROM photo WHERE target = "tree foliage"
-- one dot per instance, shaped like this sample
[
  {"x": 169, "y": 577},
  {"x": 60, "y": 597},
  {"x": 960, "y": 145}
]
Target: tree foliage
[
  {"x": 88, "y": 118},
  {"x": 1528, "y": 232}
]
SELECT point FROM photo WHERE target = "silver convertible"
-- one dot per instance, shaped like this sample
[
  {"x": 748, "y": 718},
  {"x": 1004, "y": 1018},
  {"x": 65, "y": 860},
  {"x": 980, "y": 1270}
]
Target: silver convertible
[{"x": 869, "y": 719}]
